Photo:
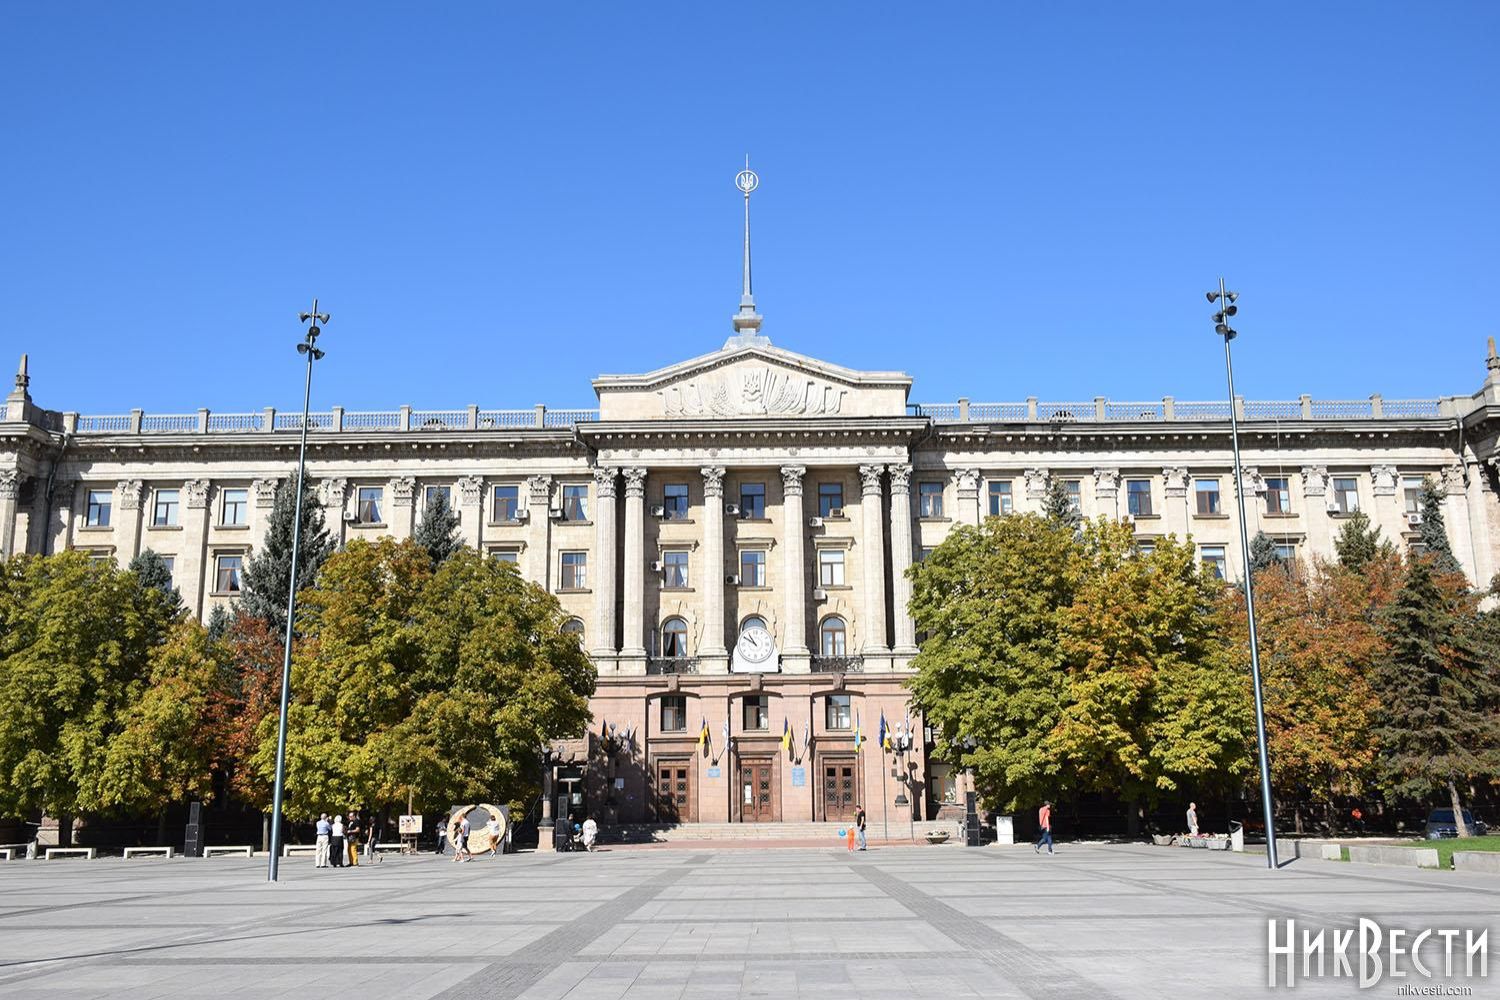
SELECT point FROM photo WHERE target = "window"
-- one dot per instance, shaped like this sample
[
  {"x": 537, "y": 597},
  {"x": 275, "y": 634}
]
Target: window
[
  {"x": 923, "y": 553},
  {"x": 432, "y": 491},
  {"x": 1346, "y": 494},
  {"x": 1411, "y": 493},
  {"x": 674, "y": 567},
  {"x": 575, "y": 503},
  {"x": 369, "y": 504},
  {"x": 674, "y": 713},
  {"x": 831, "y": 636},
  {"x": 575, "y": 570},
  {"x": 674, "y": 637},
  {"x": 753, "y": 500},
  {"x": 1138, "y": 497},
  {"x": 164, "y": 509},
  {"x": 236, "y": 508},
  {"x": 929, "y": 499},
  {"x": 752, "y": 568},
  {"x": 1000, "y": 498},
  {"x": 1286, "y": 551},
  {"x": 831, "y": 567},
  {"x": 830, "y": 499},
  {"x": 1075, "y": 493},
  {"x": 170, "y": 562},
  {"x": 512, "y": 556},
  {"x": 945, "y": 784},
  {"x": 504, "y": 502},
  {"x": 97, "y": 515},
  {"x": 675, "y": 502},
  {"x": 1212, "y": 556},
  {"x": 1207, "y": 492},
  {"x": 1278, "y": 496},
  {"x": 227, "y": 577},
  {"x": 574, "y": 627},
  {"x": 754, "y": 621},
  {"x": 1145, "y": 546},
  {"x": 757, "y": 712},
  {"x": 836, "y": 712}
]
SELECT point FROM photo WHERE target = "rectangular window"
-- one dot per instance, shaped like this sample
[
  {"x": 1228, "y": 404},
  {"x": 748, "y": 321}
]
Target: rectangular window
[
  {"x": 236, "y": 508},
  {"x": 369, "y": 504},
  {"x": 97, "y": 515},
  {"x": 1145, "y": 546},
  {"x": 1411, "y": 493},
  {"x": 512, "y": 556},
  {"x": 170, "y": 563},
  {"x": 504, "y": 502},
  {"x": 574, "y": 571},
  {"x": 1138, "y": 497},
  {"x": 227, "y": 575},
  {"x": 830, "y": 499},
  {"x": 674, "y": 713},
  {"x": 674, "y": 504},
  {"x": 1000, "y": 498},
  {"x": 1278, "y": 496},
  {"x": 432, "y": 491},
  {"x": 1075, "y": 493},
  {"x": 757, "y": 714},
  {"x": 1286, "y": 551},
  {"x": 753, "y": 500},
  {"x": 1346, "y": 494},
  {"x": 575, "y": 503},
  {"x": 1212, "y": 557},
  {"x": 831, "y": 567},
  {"x": 929, "y": 499},
  {"x": 164, "y": 509},
  {"x": 923, "y": 553},
  {"x": 1207, "y": 492},
  {"x": 752, "y": 568},
  {"x": 836, "y": 715},
  {"x": 674, "y": 566}
]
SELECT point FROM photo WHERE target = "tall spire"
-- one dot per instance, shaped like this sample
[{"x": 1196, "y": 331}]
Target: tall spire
[{"x": 747, "y": 320}]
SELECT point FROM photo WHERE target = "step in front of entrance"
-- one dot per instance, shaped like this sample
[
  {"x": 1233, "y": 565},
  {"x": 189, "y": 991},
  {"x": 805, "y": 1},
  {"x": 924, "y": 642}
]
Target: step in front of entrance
[{"x": 646, "y": 833}]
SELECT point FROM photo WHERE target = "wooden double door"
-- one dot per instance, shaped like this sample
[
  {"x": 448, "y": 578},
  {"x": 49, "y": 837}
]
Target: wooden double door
[
  {"x": 839, "y": 787},
  {"x": 676, "y": 801},
  {"x": 757, "y": 791}
]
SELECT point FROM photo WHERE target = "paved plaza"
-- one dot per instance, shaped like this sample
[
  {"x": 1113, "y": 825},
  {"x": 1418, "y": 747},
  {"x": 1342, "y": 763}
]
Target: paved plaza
[{"x": 905, "y": 923}]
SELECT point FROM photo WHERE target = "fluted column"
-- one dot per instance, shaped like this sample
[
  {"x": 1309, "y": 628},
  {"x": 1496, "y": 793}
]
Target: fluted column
[
  {"x": 794, "y": 565},
  {"x": 468, "y": 497},
  {"x": 606, "y": 573},
  {"x": 967, "y": 483},
  {"x": 872, "y": 515},
  {"x": 901, "y": 554},
  {"x": 539, "y": 530},
  {"x": 195, "y": 572},
  {"x": 713, "y": 561},
  {"x": 128, "y": 524},
  {"x": 10, "y": 489},
  {"x": 633, "y": 641}
]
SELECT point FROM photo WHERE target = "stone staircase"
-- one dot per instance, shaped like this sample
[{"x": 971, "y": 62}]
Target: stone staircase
[{"x": 647, "y": 833}]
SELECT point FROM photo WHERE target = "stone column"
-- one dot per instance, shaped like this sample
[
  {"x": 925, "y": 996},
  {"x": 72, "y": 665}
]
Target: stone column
[
  {"x": 967, "y": 481},
  {"x": 333, "y": 494},
  {"x": 400, "y": 509},
  {"x": 195, "y": 576},
  {"x": 606, "y": 574},
  {"x": 129, "y": 525},
  {"x": 10, "y": 490},
  {"x": 712, "y": 643},
  {"x": 539, "y": 530},
  {"x": 901, "y": 556},
  {"x": 468, "y": 495},
  {"x": 1456, "y": 515},
  {"x": 1175, "y": 515},
  {"x": 1315, "y": 512},
  {"x": 1107, "y": 492},
  {"x": 1037, "y": 483},
  {"x": 793, "y": 565},
  {"x": 1386, "y": 510},
  {"x": 872, "y": 519},
  {"x": 632, "y": 643}
]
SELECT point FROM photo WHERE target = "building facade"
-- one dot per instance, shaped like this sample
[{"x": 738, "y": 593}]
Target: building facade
[{"x": 731, "y": 534}]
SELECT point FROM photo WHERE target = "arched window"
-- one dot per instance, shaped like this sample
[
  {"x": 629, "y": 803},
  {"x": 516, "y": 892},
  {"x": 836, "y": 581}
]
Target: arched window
[
  {"x": 674, "y": 637},
  {"x": 574, "y": 627},
  {"x": 754, "y": 621},
  {"x": 831, "y": 636}
]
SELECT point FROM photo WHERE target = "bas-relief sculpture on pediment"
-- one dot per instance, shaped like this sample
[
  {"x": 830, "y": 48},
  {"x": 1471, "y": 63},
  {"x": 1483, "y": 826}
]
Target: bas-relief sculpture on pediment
[{"x": 763, "y": 391}]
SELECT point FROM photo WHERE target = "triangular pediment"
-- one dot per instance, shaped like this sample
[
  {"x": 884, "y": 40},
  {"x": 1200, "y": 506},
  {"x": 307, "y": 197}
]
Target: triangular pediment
[{"x": 751, "y": 381}]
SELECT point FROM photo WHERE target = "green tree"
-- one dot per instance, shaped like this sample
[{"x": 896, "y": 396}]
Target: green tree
[
  {"x": 219, "y": 621},
  {"x": 1438, "y": 722},
  {"x": 1262, "y": 554},
  {"x": 268, "y": 574},
  {"x": 151, "y": 570},
  {"x": 1058, "y": 505},
  {"x": 1433, "y": 532},
  {"x": 1358, "y": 543},
  {"x": 438, "y": 532}
]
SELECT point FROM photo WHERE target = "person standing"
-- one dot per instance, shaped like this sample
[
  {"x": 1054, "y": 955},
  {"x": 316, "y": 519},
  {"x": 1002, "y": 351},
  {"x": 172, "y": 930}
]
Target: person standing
[
  {"x": 461, "y": 840},
  {"x": 325, "y": 829},
  {"x": 1044, "y": 820},
  {"x": 1192, "y": 818},
  {"x": 352, "y": 830},
  {"x": 590, "y": 833},
  {"x": 859, "y": 825},
  {"x": 336, "y": 842},
  {"x": 493, "y": 829},
  {"x": 372, "y": 832}
]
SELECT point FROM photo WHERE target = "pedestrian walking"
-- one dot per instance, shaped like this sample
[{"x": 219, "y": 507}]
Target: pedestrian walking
[
  {"x": 336, "y": 842},
  {"x": 372, "y": 833},
  {"x": 352, "y": 830},
  {"x": 859, "y": 825},
  {"x": 590, "y": 833},
  {"x": 493, "y": 829},
  {"x": 1044, "y": 820},
  {"x": 325, "y": 830},
  {"x": 849, "y": 837},
  {"x": 1192, "y": 818},
  {"x": 461, "y": 840}
]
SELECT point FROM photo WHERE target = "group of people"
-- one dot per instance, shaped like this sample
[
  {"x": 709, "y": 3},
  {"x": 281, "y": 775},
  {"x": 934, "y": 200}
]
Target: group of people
[
  {"x": 493, "y": 838},
  {"x": 856, "y": 831},
  {"x": 340, "y": 840}
]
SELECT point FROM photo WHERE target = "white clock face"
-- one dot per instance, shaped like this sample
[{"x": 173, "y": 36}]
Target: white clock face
[{"x": 756, "y": 644}]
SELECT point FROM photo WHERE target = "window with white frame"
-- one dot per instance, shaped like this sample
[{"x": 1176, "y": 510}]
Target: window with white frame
[
  {"x": 752, "y": 568},
  {"x": 1001, "y": 501},
  {"x": 96, "y": 513},
  {"x": 574, "y": 627},
  {"x": 1346, "y": 494},
  {"x": 1074, "y": 489},
  {"x": 674, "y": 568},
  {"x": 837, "y": 714},
  {"x": 1411, "y": 493},
  {"x": 1138, "y": 497},
  {"x": 674, "y": 502},
  {"x": 506, "y": 554},
  {"x": 929, "y": 499},
  {"x": 433, "y": 491},
  {"x": 164, "y": 509},
  {"x": 234, "y": 509},
  {"x": 674, "y": 638},
  {"x": 505, "y": 501},
  {"x": 1206, "y": 492},
  {"x": 673, "y": 713},
  {"x": 830, "y": 499},
  {"x": 1286, "y": 550},
  {"x": 830, "y": 567},
  {"x": 575, "y": 502},
  {"x": 1212, "y": 557},
  {"x": 832, "y": 633},
  {"x": 574, "y": 571},
  {"x": 757, "y": 712},
  {"x": 369, "y": 504},
  {"x": 227, "y": 570},
  {"x": 1278, "y": 495}
]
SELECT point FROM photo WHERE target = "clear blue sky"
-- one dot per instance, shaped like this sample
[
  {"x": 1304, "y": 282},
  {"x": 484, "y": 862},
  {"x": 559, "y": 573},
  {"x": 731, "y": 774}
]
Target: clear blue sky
[{"x": 498, "y": 201}]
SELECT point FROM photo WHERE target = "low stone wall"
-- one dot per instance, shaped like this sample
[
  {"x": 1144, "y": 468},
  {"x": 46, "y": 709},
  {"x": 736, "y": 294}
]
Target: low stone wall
[
  {"x": 1406, "y": 857},
  {"x": 1326, "y": 850},
  {"x": 1477, "y": 861}
]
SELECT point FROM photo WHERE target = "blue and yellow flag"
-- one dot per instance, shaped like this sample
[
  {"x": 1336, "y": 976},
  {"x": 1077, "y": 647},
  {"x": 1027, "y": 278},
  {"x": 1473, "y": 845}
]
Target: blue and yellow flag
[
  {"x": 885, "y": 733},
  {"x": 702, "y": 732},
  {"x": 859, "y": 737},
  {"x": 786, "y": 736}
]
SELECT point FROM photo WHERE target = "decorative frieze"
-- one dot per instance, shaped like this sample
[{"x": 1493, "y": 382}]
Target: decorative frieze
[
  {"x": 1106, "y": 482},
  {"x": 967, "y": 481},
  {"x": 10, "y": 484},
  {"x": 331, "y": 493}
]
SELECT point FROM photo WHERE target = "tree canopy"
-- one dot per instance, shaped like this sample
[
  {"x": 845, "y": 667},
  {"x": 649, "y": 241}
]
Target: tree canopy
[
  {"x": 268, "y": 573},
  {"x": 438, "y": 530}
]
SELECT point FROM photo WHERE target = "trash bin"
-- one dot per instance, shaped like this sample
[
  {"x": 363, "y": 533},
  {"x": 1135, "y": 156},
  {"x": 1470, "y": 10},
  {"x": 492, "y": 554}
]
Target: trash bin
[
  {"x": 1005, "y": 830},
  {"x": 1237, "y": 836}
]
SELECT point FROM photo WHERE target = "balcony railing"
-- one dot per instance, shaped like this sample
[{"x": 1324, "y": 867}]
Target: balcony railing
[
  {"x": 838, "y": 664},
  {"x": 337, "y": 420},
  {"x": 672, "y": 665},
  {"x": 1170, "y": 410}
]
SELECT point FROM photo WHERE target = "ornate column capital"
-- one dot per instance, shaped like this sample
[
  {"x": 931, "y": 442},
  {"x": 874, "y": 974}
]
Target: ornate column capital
[
  {"x": 606, "y": 482},
  {"x": 1383, "y": 477},
  {"x": 129, "y": 492},
  {"x": 403, "y": 490},
  {"x": 869, "y": 479},
  {"x": 1037, "y": 481},
  {"x": 470, "y": 490},
  {"x": 1451, "y": 480},
  {"x": 1106, "y": 481},
  {"x": 1314, "y": 480},
  {"x": 713, "y": 481},
  {"x": 791, "y": 479},
  {"x": 1176, "y": 479},
  {"x": 265, "y": 491},
  {"x": 1255, "y": 483},
  {"x": 539, "y": 488},
  {"x": 635, "y": 483},
  {"x": 197, "y": 493},
  {"x": 10, "y": 484},
  {"x": 967, "y": 480},
  {"x": 900, "y": 478}
]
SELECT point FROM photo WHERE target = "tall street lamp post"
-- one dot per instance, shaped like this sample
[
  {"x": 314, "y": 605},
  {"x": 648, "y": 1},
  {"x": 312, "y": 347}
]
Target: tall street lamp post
[
  {"x": 309, "y": 348},
  {"x": 1227, "y": 308}
]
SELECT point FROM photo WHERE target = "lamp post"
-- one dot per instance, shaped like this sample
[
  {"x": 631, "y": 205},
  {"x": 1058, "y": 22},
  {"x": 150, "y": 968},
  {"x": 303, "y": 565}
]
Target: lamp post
[
  {"x": 1227, "y": 308},
  {"x": 902, "y": 743},
  {"x": 309, "y": 348}
]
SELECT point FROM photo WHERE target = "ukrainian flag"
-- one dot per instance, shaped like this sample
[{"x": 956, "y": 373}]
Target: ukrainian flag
[
  {"x": 859, "y": 738},
  {"x": 703, "y": 732},
  {"x": 885, "y": 733},
  {"x": 786, "y": 736}
]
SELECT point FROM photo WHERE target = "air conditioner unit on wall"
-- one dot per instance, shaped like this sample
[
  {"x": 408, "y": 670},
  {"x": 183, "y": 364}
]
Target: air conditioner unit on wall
[
  {"x": 819, "y": 594},
  {"x": 815, "y": 522},
  {"x": 657, "y": 510},
  {"x": 1333, "y": 507},
  {"x": 732, "y": 579},
  {"x": 1413, "y": 519},
  {"x": 523, "y": 515},
  {"x": 555, "y": 513},
  {"x": 836, "y": 512},
  {"x": 350, "y": 517},
  {"x": 732, "y": 509},
  {"x": 656, "y": 566}
]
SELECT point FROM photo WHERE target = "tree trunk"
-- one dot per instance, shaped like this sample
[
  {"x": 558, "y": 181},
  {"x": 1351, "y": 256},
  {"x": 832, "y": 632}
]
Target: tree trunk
[
  {"x": 265, "y": 831},
  {"x": 1297, "y": 818},
  {"x": 1458, "y": 811},
  {"x": 1132, "y": 820},
  {"x": 161, "y": 827},
  {"x": 65, "y": 830}
]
